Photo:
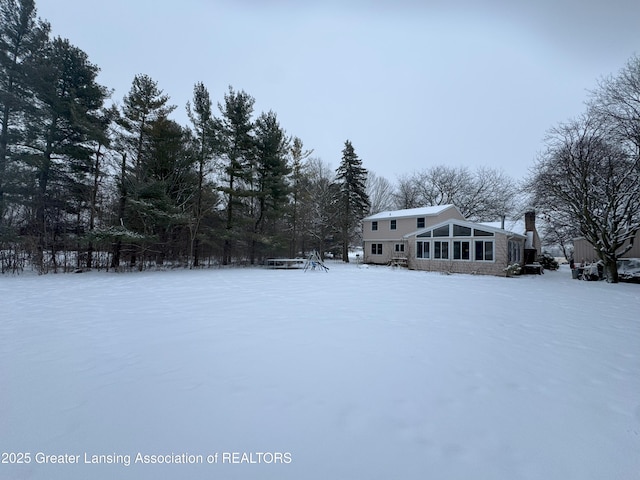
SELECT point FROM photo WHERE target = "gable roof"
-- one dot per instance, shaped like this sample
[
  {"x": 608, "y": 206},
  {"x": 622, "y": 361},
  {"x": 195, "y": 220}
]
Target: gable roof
[
  {"x": 516, "y": 226},
  {"x": 431, "y": 211},
  {"x": 465, "y": 223}
]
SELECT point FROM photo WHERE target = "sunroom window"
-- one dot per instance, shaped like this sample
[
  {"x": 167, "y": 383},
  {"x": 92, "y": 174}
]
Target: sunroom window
[
  {"x": 441, "y": 250},
  {"x": 481, "y": 233},
  {"x": 461, "y": 231},
  {"x": 422, "y": 250},
  {"x": 461, "y": 250},
  {"x": 484, "y": 250},
  {"x": 442, "y": 231}
]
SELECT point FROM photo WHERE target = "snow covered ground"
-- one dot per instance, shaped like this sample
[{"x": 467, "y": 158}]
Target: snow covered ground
[{"x": 358, "y": 373}]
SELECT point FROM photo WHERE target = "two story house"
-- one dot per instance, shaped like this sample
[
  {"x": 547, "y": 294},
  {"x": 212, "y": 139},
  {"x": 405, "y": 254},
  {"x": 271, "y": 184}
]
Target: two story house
[{"x": 439, "y": 238}]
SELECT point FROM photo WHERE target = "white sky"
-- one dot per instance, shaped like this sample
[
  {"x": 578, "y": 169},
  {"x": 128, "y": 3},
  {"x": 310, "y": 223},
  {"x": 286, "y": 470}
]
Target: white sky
[{"x": 410, "y": 83}]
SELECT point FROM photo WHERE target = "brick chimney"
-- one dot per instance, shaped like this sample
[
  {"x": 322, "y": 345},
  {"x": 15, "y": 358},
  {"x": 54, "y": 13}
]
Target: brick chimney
[
  {"x": 530, "y": 250},
  {"x": 530, "y": 221}
]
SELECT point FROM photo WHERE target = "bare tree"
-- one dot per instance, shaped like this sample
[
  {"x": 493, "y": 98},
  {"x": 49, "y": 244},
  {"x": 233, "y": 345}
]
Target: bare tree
[
  {"x": 484, "y": 195},
  {"x": 321, "y": 210},
  {"x": 490, "y": 195},
  {"x": 585, "y": 179},
  {"x": 406, "y": 195},
  {"x": 556, "y": 232},
  {"x": 380, "y": 192},
  {"x": 616, "y": 104}
]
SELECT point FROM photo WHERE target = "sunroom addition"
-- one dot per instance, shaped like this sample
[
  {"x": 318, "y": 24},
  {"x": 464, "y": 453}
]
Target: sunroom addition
[{"x": 456, "y": 241}]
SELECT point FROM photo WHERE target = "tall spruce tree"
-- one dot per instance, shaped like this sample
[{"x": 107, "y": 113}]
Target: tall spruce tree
[{"x": 352, "y": 200}]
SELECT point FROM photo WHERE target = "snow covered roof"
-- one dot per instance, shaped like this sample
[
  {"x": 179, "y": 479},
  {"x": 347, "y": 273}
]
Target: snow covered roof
[
  {"x": 514, "y": 226},
  {"x": 411, "y": 212},
  {"x": 484, "y": 226}
]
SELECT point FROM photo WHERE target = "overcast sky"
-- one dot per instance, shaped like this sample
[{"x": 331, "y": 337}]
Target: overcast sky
[{"x": 410, "y": 83}]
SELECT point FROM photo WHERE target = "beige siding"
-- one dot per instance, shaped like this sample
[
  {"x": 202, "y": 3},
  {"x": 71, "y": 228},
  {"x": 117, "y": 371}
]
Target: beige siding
[
  {"x": 496, "y": 267},
  {"x": 404, "y": 225},
  {"x": 583, "y": 251},
  {"x": 388, "y": 252}
]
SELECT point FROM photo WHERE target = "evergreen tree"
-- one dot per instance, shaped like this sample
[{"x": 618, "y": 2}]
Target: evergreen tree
[
  {"x": 237, "y": 153},
  {"x": 160, "y": 210},
  {"x": 204, "y": 137},
  {"x": 352, "y": 200},
  {"x": 144, "y": 104},
  {"x": 59, "y": 137},
  {"x": 271, "y": 171},
  {"x": 22, "y": 40}
]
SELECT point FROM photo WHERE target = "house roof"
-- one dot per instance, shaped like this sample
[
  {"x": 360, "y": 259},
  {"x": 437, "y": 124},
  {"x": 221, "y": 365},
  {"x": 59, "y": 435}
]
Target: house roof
[
  {"x": 515, "y": 226},
  {"x": 483, "y": 226},
  {"x": 411, "y": 212}
]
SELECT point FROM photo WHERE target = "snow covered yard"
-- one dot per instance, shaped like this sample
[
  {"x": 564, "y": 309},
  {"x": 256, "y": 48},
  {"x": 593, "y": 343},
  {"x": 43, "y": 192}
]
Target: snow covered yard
[{"x": 359, "y": 373}]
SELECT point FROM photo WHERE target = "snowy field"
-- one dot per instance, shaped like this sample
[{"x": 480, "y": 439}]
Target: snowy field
[{"x": 358, "y": 373}]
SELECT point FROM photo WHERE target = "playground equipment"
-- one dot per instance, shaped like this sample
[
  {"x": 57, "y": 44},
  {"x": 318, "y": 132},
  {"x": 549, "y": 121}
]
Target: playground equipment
[{"x": 314, "y": 262}]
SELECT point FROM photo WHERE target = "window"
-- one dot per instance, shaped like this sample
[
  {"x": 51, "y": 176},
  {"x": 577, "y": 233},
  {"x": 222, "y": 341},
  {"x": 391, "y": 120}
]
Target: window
[
  {"x": 514, "y": 251},
  {"x": 460, "y": 231},
  {"x": 374, "y": 226},
  {"x": 484, "y": 250},
  {"x": 420, "y": 222},
  {"x": 392, "y": 225},
  {"x": 481, "y": 233},
  {"x": 422, "y": 250},
  {"x": 399, "y": 248},
  {"x": 376, "y": 249},
  {"x": 425, "y": 234},
  {"x": 441, "y": 250},
  {"x": 461, "y": 250},
  {"x": 441, "y": 231}
]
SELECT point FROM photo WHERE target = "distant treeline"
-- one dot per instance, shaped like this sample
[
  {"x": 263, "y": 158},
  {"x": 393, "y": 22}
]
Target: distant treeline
[{"x": 84, "y": 185}]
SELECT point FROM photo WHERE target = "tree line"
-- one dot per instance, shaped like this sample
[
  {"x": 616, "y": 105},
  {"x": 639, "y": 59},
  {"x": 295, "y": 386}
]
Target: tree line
[
  {"x": 84, "y": 185},
  {"x": 87, "y": 185}
]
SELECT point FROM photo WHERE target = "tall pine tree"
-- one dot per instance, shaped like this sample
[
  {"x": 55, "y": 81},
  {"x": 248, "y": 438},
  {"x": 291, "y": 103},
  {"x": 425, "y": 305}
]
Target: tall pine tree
[
  {"x": 237, "y": 153},
  {"x": 352, "y": 199},
  {"x": 22, "y": 40},
  {"x": 205, "y": 145},
  {"x": 271, "y": 189},
  {"x": 144, "y": 104},
  {"x": 60, "y": 137}
]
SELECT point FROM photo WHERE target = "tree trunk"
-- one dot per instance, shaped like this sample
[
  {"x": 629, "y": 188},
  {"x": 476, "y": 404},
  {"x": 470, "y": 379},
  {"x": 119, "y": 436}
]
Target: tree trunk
[
  {"x": 115, "y": 260},
  {"x": 195, "y": 244},
  {"x": 611, "y": 270},
  {"x": 3, "y": 157},
  {"x": 92, "y": 211}
]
